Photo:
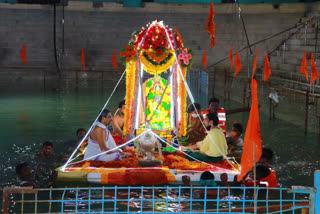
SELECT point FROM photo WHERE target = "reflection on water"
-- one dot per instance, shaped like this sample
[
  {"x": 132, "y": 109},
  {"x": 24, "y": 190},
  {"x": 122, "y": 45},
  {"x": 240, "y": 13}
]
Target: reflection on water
[{"x": 29, "y": 117}]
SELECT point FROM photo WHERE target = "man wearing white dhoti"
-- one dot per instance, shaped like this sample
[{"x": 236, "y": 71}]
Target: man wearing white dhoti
[{"x": 101, "y": 140}]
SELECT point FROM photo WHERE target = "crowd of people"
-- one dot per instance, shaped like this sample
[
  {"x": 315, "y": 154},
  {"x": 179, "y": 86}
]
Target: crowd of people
[{"x": 206, "y": 140}]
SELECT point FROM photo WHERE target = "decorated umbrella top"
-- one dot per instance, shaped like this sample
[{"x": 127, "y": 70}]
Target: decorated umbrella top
[{"x": 157, "y": 46}]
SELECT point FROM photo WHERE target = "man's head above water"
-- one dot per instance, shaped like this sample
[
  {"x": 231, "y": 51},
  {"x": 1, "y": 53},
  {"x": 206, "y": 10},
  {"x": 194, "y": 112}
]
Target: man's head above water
[{"x": 47, "y": 148}]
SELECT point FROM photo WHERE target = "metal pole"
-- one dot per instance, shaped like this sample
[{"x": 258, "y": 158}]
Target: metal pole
[
  {"x": 62, "y": 21},
  {"x": 306, "y": 113},
  {"x": 254, "y": 178},
  {"x": 54, "y": 40},
  {"x": 317, "y": 188}
]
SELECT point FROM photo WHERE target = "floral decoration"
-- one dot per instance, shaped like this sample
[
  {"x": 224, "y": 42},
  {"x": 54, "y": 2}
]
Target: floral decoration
[
  {"x": 185, "y": 57},
  {"x": 127, "y": 54},
  {"x": 130, "y": 89},
  {"x": 182, "y": 95}
]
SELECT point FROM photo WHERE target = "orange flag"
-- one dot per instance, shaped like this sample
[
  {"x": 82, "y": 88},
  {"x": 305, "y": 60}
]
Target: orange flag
[
  {"x": 266, "y": 70},
  {"x": 114, "y": 60},
  {"x": 303, "y": 68},
  {"x": 23, "y": 54},
  {"x": 204, "y": 59},
  {"x": 238, "y": 65},
  {"x": 82, "y": 60},
  {"x": 252, "y": 135},
  {"x": 210, "y": 26},
  {"x": 255, "y": 63},
  {"x": 231, "y": 58},
  {"x": 314, "y": 71}
]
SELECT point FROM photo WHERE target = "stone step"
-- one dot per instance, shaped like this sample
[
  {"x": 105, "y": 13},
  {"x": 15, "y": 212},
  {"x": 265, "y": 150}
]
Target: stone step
[
  {"x": 302, "y": 35},
  {"x": 286, "y": 60},
  {"x": 308, "y": 67},
  {"x": 301, "y": 48},
  {"x": 309, "y": 42},
  {"x": 296, "y": 54}
]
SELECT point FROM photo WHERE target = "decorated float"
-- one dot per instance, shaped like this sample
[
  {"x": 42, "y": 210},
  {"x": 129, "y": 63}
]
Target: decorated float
[{"x": 155, "y": 117}]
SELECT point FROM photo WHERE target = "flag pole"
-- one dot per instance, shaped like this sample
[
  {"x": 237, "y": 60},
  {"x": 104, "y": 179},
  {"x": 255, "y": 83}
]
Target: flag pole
[{"x": 254, "y": 178}]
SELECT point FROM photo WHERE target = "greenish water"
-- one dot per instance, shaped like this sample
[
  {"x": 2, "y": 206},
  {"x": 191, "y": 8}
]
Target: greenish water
[{"x": 31, "y": 116}]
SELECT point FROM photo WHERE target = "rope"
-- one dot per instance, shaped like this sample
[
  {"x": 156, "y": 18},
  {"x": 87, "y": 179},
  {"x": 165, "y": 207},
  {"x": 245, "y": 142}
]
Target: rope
[{"x": 89, "y": 131}]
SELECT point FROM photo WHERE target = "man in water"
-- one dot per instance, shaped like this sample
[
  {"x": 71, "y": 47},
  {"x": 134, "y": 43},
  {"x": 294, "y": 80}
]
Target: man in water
[
  {"x": 46, "y": 165},
  {"x": 101, "y": 140},
  {"x": 24, "y": 173},
  {"x": 210, "y": 151}
]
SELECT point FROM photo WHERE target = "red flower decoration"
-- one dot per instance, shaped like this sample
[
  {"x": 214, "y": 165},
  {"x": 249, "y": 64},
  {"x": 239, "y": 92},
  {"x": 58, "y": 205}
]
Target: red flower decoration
[{"x": 159, "y": 50}]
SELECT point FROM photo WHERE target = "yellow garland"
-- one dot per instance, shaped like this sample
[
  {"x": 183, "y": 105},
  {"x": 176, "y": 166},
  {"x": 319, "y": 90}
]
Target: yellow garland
[
  {"x": 156, "y": 69},
  {"x": 183, "y": 102},
  {"x": 130, "y": 86}
]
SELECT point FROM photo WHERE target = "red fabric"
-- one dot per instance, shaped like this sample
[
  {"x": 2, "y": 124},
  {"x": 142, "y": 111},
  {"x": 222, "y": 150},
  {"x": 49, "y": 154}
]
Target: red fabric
[
  {"x": 255, "y": 63},
  {"x": 210, "y": 26},
  {"x": 204, "y": 59},
  {"x": 146, "y": 177},
  {"x": 271, "y": 179},
  {"x": 231, "y": 58},
  {"x": 252, "y": 135},
  {"x": 114, "y": 60},
  {"x": 83, "y": 60},
  {"x": 266, "y": 70},
  {"x": 238, "y": 65},
  {"x": 118, "y": 138},
  {"x": 314, "y": 71},
  {"x": 303, "y": 68},
  {"x": 23, "y": 54}
]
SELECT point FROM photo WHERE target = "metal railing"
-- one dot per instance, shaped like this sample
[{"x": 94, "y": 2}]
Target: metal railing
[{"x": 162, "y": 199}]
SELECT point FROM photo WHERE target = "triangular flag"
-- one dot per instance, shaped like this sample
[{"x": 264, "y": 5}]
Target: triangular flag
[
  {"x": 303, "y": 68},
  {"x": 114, "y": 60},
  {"x": 255, "y": 63},
  {"x": 204, "y": 59},
  {"x": 314, "y": 71},
  {"x": 231, "y": 58},
  {"x": 251, "y": 136},
  {"x": 23, "y": 54},
  {"x": 83, "y": 60},
  {"x": 210, "y": 26},
  {"x": 238, "y": 65},
  {"x": 266, "y": 70}
]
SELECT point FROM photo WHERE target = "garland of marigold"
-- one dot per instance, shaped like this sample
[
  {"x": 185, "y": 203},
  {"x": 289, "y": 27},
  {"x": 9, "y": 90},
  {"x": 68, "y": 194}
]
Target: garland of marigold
[
  {"x": 153, "y": 67},
  {"x": 183, "y": 102},
  {"x": 130, "y": 86}
]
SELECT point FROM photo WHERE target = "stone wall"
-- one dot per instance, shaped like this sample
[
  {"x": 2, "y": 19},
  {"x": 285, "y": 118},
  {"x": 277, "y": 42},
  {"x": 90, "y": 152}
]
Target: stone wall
[{"x": 100, "y": 30}]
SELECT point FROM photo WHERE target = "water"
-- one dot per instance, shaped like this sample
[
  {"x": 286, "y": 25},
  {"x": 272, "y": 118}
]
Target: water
[{"x": 31, "y": 116}]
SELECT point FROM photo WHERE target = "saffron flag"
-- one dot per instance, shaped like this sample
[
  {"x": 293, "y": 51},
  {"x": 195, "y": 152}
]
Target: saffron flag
[
  {"x": 114, "y": 60},
  {"x": 83, "y": 60},
  {"x": 252, "y": 137},
  {"x": 255, "y": 63},
  {"x": 314, "y": 71},
  {"x": 210, "y": 26},
  {"x": 231, "y": 58},
  {"x": 23, "y": 54},
  {"x": 238, "y": 65},
  {"x": 266, "y": 70},
  {"x": 303, "y": 68},
  {"x": 204, "y": 59}
]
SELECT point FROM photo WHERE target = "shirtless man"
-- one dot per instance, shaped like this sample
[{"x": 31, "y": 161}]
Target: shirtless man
[
  {"x": 101, "y": 140},
  {"x": 118, "y": 119}
]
